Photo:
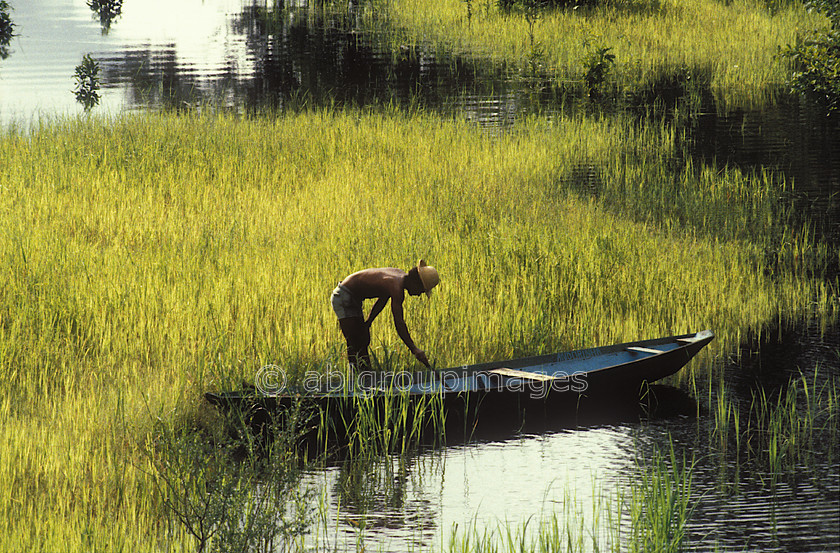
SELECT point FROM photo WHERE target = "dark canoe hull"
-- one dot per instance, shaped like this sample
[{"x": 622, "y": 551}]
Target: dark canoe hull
[{"x": 604, "y": 371}]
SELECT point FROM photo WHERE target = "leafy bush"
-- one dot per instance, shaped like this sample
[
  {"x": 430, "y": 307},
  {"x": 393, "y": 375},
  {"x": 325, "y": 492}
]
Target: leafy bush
[
  {"x": 597, "y": 64},
  {"x": 816, "y": 60},
  {"x": 229, "y": 495}
]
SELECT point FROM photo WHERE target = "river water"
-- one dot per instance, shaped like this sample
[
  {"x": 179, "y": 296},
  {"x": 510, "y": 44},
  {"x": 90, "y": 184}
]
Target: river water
[
  {"x": 188, "y": 53},
  {"x": 572, "y": 470}
]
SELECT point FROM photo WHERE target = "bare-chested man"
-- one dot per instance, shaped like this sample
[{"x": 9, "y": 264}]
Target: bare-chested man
[{"x": 383, "y": 284}]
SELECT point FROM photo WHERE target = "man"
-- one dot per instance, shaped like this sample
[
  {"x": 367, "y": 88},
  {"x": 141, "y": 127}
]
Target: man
[{"x": 383, "y": 284}]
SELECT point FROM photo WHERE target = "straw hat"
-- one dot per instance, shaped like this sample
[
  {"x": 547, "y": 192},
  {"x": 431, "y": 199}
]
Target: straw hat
[{"x": 428, "y": 275}]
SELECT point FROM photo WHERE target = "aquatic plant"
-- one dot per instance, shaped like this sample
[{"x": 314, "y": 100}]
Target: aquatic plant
[
  {"x": 87, "y": 82},
  {"x": 779, "y": 432},
  {"x": 395, "y": 422},
  {"x": 785, "y": 430},
  {"x": 727, "y": 417},
  {"x": 567, "y": 529},
  {"x": 660, "y": 504},
  {"x": 815, "y": 60},
  {"x": 597, "y": 64}
]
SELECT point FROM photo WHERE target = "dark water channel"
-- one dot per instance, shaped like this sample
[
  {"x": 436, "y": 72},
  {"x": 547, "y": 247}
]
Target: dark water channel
[{"x": 234, "y": 54}]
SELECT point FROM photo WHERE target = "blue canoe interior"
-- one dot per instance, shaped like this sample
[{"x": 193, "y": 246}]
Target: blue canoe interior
[{"x": 587, "y": 372}]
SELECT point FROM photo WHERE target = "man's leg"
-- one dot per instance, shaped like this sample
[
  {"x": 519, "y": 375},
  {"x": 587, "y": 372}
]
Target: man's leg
[{"x": 357, "y": 334}]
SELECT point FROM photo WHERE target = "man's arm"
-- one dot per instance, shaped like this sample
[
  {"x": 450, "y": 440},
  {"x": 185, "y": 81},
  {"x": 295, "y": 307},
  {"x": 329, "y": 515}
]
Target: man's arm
[
  {"x": 377, "y": 309},
  {"x": 402, "y": 330}
]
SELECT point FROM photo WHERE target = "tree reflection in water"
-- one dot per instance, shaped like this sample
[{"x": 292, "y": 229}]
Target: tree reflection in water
[
  {"x": 107, "y": 11},
  {"x": 7, "y": 28}
]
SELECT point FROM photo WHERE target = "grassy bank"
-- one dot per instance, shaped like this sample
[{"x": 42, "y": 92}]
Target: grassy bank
[
  {"x": 728, "y": 48},
  {"x": 148, "y": 259}
]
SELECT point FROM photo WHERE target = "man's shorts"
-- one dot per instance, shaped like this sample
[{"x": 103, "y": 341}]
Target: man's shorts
[{"x": 345, "y": 304}]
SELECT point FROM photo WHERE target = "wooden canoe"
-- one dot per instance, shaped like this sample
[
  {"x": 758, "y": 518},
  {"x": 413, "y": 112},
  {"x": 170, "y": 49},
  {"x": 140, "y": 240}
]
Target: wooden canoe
[{"x": 609, "y": 369}]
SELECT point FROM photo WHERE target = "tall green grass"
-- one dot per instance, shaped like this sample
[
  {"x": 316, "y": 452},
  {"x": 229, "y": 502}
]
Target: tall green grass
[
  {"x": 728, "y": 48},
  {"x": 369, "y": 425},
  {"x": 660, "y": 504},
  {"x": 148, "y": 259}
]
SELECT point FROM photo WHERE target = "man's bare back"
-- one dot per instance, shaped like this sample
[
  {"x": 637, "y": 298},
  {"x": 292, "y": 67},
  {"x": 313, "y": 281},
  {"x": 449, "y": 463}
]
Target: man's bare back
[
  {"x": 384, "y": 284},
  {"x": 376, "y": 283}
]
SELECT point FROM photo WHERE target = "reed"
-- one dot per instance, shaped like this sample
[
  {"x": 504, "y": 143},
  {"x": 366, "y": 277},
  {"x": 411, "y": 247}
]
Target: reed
[
  {"x": 568, "y": 530},
  {"x": 782, "y": 432},
  {"x": 149, "y": 259},
  {"x": 786, "y": 429},
  {"x": 727, "y": 48},
  {"x": 660, "y": 504},
  {"x": 724, "y": 412},
  {"x": 394, "y": 422}
]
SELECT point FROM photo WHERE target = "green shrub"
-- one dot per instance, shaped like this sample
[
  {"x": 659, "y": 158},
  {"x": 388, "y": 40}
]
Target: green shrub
[{"x": 816, "y": 60}]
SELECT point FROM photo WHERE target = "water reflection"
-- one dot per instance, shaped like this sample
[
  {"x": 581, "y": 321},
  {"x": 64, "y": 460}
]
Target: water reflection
[
  {"x": 7, "y": 28},
  {"x": 792, "y": 138},
  {"x": 578, "y": 469},
  {"x": 796, "y": 515},
  {"x": 386, "y": 495},
  {"x": 404, "y": 503},
  {"x": 106, "y": 11},
  {"x": 332, "y": 57}
]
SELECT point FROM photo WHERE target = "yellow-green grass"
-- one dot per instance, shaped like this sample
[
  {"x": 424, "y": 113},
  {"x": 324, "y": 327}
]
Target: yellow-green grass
[
  {"x": 148, "y": 259},
  {"x": 730, "y": 47}
]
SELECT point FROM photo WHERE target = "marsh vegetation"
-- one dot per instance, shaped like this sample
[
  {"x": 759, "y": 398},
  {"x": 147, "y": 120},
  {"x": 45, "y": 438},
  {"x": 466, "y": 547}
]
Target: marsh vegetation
[
  {"x": 728, "y": 49},
  {"x": 149, "y": 258}
]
